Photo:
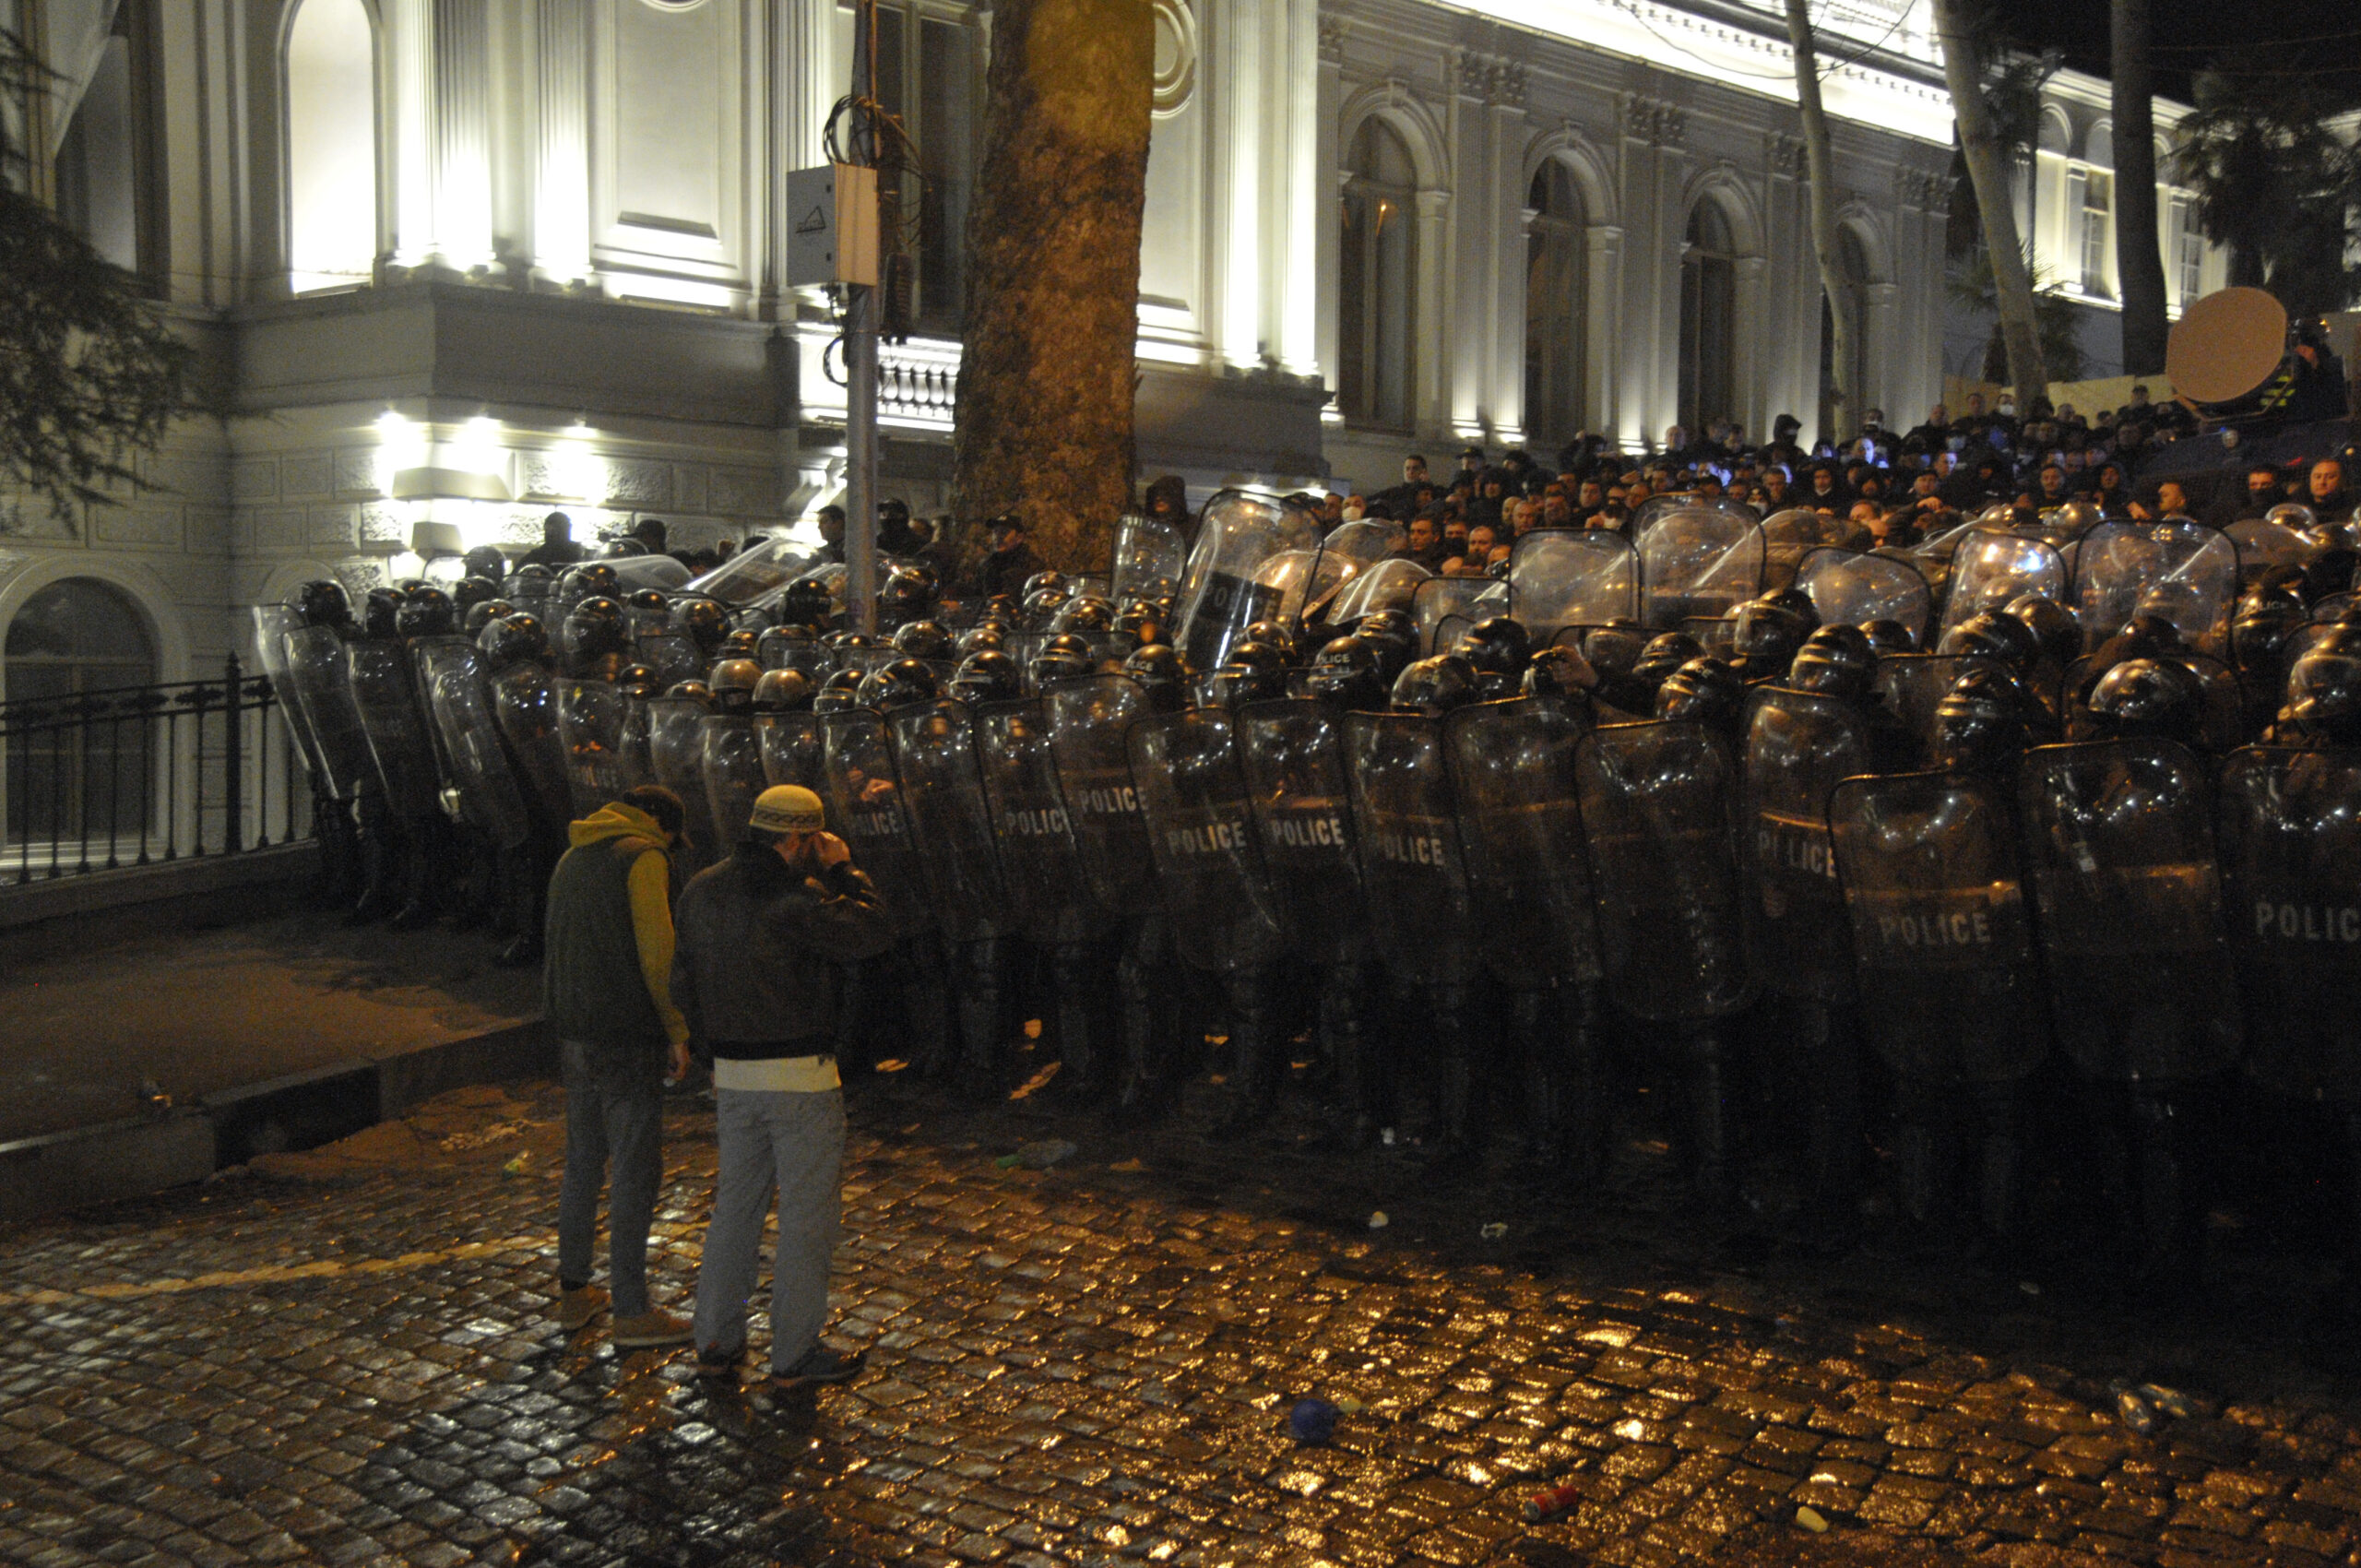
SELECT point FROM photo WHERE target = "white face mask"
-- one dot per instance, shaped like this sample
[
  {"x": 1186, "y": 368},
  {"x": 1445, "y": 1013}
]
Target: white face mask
[{"x": 2009, "y": 407}]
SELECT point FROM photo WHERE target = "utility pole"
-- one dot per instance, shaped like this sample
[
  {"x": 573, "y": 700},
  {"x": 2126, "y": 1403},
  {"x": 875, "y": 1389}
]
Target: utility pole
[{"x": 861, "y": 355}]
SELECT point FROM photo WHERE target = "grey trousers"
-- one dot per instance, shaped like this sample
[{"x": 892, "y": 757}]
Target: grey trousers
[
  {"x": 795, "y": 1144},
  {"x": 614, "y": 1111}
]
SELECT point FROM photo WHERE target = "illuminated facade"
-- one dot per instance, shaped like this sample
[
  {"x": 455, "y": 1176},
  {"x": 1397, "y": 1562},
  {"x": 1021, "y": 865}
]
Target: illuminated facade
[{"x": 462, "y": 262}]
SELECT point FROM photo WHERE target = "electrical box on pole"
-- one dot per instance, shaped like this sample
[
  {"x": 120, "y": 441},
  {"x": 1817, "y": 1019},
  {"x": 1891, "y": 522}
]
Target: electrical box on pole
[{"x": 832, "y": 225}]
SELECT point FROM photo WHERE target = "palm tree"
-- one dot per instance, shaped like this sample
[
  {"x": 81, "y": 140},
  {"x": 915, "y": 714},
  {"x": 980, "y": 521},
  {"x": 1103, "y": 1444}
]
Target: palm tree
[{"x": 2054, "y": 317}]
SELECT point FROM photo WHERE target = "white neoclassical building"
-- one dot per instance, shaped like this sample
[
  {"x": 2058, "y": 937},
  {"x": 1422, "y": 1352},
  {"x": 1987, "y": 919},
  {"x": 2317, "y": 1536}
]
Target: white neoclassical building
[{"x": 461, "y": 262}]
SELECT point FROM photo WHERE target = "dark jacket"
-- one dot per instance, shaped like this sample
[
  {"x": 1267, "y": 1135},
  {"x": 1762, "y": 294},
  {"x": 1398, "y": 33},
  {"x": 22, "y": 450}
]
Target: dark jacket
[
  {"x": 756, "y": 950},
  {"x": 608, "y": 937},
  {"x": 1005, "y": 571}
]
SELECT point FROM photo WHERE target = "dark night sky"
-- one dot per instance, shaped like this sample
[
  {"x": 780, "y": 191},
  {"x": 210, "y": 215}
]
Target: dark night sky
[{"x": 2187, "y": 34}]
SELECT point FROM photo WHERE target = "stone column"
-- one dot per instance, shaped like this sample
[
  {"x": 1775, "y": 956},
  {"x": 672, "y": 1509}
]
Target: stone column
[
  {"x": 1428, "y": 409},
  {"x": 410, "y": 42},
  {"x": 1602, "y": 317},
  {"x": 561, "y": 154},
  {"x": 462, "y": 133}
]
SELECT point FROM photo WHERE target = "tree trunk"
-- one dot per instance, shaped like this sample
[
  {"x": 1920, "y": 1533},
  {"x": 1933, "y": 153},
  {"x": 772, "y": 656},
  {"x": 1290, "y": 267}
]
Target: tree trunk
[
  {"x": 1044, "y": 422},
  {"x": 2138, "y": 260},
  {"x": 1988, "y": 173},
  {"x": 1820, "y": 167}
]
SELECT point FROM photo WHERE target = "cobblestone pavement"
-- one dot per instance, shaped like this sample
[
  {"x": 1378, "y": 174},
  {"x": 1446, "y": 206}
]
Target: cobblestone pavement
[{"x": 342, "y": 1357}]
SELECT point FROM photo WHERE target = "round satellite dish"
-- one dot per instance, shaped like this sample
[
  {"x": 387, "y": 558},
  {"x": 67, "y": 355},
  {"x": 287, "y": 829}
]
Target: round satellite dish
[{"x": 2226, "y": 344}]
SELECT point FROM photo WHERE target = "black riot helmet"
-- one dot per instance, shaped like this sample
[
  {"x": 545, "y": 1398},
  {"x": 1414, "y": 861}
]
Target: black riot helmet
[
  {"x": 1162, "y": 674},
  {"x": 1395, "y": 632},
  {"x": 2324, "y": 690},
  {"x": 1005, "y": 608},
  {"x": 1980, "y": 724},
  {"x": 908, "y": 593},
  {"x": 1765, "y": 632},
  {"x": 636, "y": 681},
  {"x": 1994, "y": 634},
  {"x": 1835, "y": 661},
  {"x": 1140, "y": 620},
  {"x": 381, "y": 613},
  {"x": 899, "y": 683},
  {"x": 741, "y": 643},
  {"x": 1063, "y": 655},
  {"x": 843, "y": 646},
  {"x": 427, "y": 612},
  {"x": 1258, "y": 654},
  {"x": 772, "y": 649},
  {"x": 1234, "y": 686},
  {"x": 988, "y": 675},
  {"x": 485, "y": 561},
  {"x": 1086, "y": 613},
  {"x": 648, "y": 607},
  {"x": 923, "y": 639},
  {"x": 470, "y": 592},
  {"x": 2150, "y": 698},
  {"x": 1887, "y": 637},
  {"x": 732, "y": 682},
  {"x": 986, "y": 638},
  {"x": 1278, "y": 635},
  {"x": 482, "y": 614},
  {"x": 2052, "y": 626},
  {"x": 1666, "y": 652},
  {"x": 514, "y": 639},
  {"x": 697, "y": 691},
  {"x": 591, "y": 580},
  {"x": 782, "y": 691},
  {"x": 838, "y": 691},
  {"x": 1435, "y": 685},
  {"x": 1705, "y": 691},
  {"x": 1042, "y": 607},
  {"x": 1557, "y": 671},
  {"x": 323, "y": 602},
  {"x": 707, "y": 620},
  {"x": 1348, "y": 674},
  {"x": 1614, "y": 649},
  {"x": 2259, "y": 635},
  {"x": 593, "y": 629},
  {"x": 806, "y": 602},
  {"x": 1498, "y": 645},
  {"x": 1041, "y": 580},
  {"x": 532, "y": 576}
]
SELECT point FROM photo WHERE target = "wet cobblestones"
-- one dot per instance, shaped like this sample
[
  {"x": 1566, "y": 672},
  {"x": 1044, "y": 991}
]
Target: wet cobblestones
[{"x": 344, "y": 1357}]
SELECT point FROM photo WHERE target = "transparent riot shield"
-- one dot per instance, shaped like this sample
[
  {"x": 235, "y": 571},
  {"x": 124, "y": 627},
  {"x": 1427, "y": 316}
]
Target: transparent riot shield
[
  {"x": 1149, "y": 558},
  {"x": 1949, "y": 989},
  {"x": 386, "y": 696},
  {"x": 814, "y": 660},
  {"x": 1739, "y": 515},
  {"x": 1388, "y": 585},
  {"x": 590, "y": 721},
  {"x": 662, "y": 572},
  {"x": 865, "y": 807},
  {"x": 788, "y": 746},
  {"x": 1696, "y": 562},
  {"x": 1912, "y": 685},
  {"x": 632, "y": 757},
  {"x": 676, "y": 758},
  {"x": 1200, "y": 830},
  {"x": 2184, "y": 571},
  {"x": 951, "y": 820},
  {"x": 1306, "y": 581},
  {"x": 1414, "y": 873},
  {"x": 1851, "y": 589},
  {"x": 524, "y": 703},
  {"x": 2291, "y": 868},
  {"x": 1049, "y": 895},
  {"x": 1088, "y": 719},
  {"x": 1560, "y": 578},
  {"x": 1789, "y": 536},
  {"x": 1442, "y": 601},
  {"x": 1798, "y": 748},
  {"x": 450, "y": 672},
  {"x": 533, "y": 596},
  {"x": 2224, "y": 713},
  {"x": 1989, "y": 569},
  {"x": 1528, "y": 867},
  {"x": 1292, "y": 753},
  {"x": 1223, "y": 591},
  {"x": 2119, "y": 841},
  {"x": 672, "y": 655},
  {"x": 272, "y": 624},
  {"x": 733, "y": 770},
  {"x": 1659, "y": 804},
  {"x": 2263, "y": 544},
  {"x": 748, "y": 575}
]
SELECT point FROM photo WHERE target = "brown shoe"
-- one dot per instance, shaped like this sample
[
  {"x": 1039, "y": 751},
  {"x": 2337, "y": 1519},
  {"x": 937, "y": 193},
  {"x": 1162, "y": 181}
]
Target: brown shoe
[
  {"x": 577, "y": 1305},
  {"x": 651, "y": 1330}
]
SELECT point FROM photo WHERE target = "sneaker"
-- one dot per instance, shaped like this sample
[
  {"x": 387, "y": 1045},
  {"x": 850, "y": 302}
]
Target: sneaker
[
  {"x": 820, "y": 1364},
  {"x": 719, "y": 1366},
  {"x": 578, "y": 1304},
  {"x": 650, "y": 1329}
]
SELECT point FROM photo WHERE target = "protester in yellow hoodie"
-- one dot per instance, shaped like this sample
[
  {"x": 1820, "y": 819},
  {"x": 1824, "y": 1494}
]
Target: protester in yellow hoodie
[{"x": 606, "y": 982}]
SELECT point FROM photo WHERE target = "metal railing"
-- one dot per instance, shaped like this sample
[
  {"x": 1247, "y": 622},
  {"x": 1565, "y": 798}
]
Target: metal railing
[{"x": 142, "y": 776}]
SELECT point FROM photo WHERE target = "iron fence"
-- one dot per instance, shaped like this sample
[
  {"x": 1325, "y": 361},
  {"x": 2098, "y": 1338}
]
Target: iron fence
[{"x": 142, "y": 776}]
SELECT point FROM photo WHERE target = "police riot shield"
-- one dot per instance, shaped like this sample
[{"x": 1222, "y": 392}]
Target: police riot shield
[
  {"x": 1388, "y": 585},
  {"x": 1049, "y": 895},
  {"x": 1292, "y": 752},
  {"x": 450, "y": 679},
  {"x": 788, "y": 747},
  {"x": 2291, "y": 866},
  {"x": 1087, "y": 720},
  {"x": 1851, "y": 589},
  {"x": 1149, "y": 558},
  {"x": 2184, "y": 571},
  {"x": 1910, "y": 686},
  {"x": 1798, "y": 748},
  {"x": 1223, "y": 591},
  {"x": 1950, "y": 989},
  {"x": 385, "y": 696},
  {"x": 864, "y": 798},
  {"x": 632, "y": 757},
  {"x": 1366, "y": 541},
  {"x": 676, "y": 759},
  {"x": 1448, "y": 600},
  {"x": 1697, "y": 562},
  {"x": 1989, "y": 569},
  {"x": 1200, "y": 830},
  {"x": 733, "y": 770},
  {"x": 1659, "y": 804},
  {"x": 2119, "y": 841},
  {"x": 1528, "y": 868},
  {"x": 672, "y": 655},
  {"x": 1413, "y": 874},
  {"x": 811, "y": 658},
  {"x": 746, "y": 577},
  {"x": 532, "y": 594},
  {"x": 1560, "y": 578},
  {"x": 1789, "y": 536},
  {"x": 951, "y": 822},
  {"x": 2263, "y": 544},
  {"x": 524, "y": 703},
  {"x": 272, "y": 624},
  {"x": 591, "y": 716}
]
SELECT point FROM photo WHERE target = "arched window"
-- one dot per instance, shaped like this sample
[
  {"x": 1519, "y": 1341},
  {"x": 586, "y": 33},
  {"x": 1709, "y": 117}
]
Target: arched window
[
  {"x": 1838, "y": 423},
  {"x": 1553, "y": 307},
  {"x": 331, "y": 146},
  {"x": 1374, "y": 310},
  {"x": 1708, "y": 317},
  {"x": 71, "y": 782}
]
